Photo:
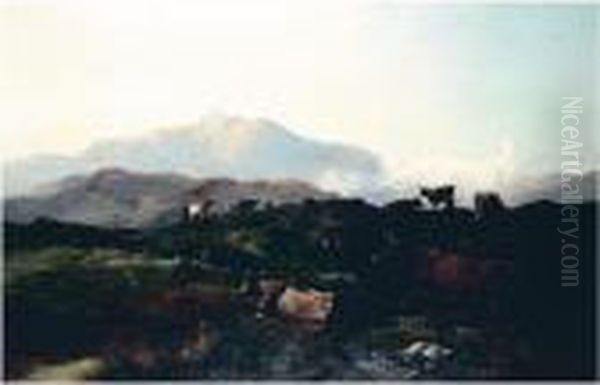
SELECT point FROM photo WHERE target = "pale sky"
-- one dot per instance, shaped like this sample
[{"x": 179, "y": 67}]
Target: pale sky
[{"x": 437, "y": 90}]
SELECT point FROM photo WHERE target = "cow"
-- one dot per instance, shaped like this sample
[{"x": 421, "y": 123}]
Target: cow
[
  {"x": 466, "y": 272},
  {"x": 439, "y": 195},
  {"x": 309, "y": 305},
  {"x": 269, "y": 292},
  {"x": 487, "y": 204}
]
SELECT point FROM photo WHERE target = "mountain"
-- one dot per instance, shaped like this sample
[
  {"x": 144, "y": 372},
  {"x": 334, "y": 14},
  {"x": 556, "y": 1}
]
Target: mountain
[
  {"x": 249, "y": 149},
  {"x": 548, "y": 187},
  {"x": 120, "y": 198},
  {"x": 217, "y": 146}
]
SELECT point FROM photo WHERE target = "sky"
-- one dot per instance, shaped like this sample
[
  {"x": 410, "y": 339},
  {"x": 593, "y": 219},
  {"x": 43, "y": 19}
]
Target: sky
[{"x": 438, "y": 90}]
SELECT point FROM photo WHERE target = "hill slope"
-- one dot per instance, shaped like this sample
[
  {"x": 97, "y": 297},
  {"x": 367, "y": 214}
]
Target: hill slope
[{"x": 120, "y": 198}]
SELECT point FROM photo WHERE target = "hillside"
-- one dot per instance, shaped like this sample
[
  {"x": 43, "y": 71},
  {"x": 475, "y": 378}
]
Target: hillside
[{"x": 120, "y": 198}]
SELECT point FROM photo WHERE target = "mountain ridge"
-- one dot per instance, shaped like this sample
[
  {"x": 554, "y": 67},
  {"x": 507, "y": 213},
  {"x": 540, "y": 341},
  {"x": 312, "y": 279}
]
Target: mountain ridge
[
  {"x": 115, "y": 197},
  {"x": 230, "y": 146}
]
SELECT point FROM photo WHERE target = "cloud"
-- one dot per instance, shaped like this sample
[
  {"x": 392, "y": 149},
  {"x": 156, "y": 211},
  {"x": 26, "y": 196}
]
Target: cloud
[{"x": 219, "y": 146}]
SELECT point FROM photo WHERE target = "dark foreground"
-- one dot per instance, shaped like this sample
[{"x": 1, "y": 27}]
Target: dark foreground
[{"x": 431, "y": 294}]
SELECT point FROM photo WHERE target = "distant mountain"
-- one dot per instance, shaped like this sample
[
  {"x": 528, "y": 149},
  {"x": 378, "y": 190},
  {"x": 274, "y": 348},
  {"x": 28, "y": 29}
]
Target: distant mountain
[
  {"x": 120, "y": 198},
  {"x": 548, "y": 187},
  {"x": 251, "y": 149},
  {"x": 232, "y": 147}
]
